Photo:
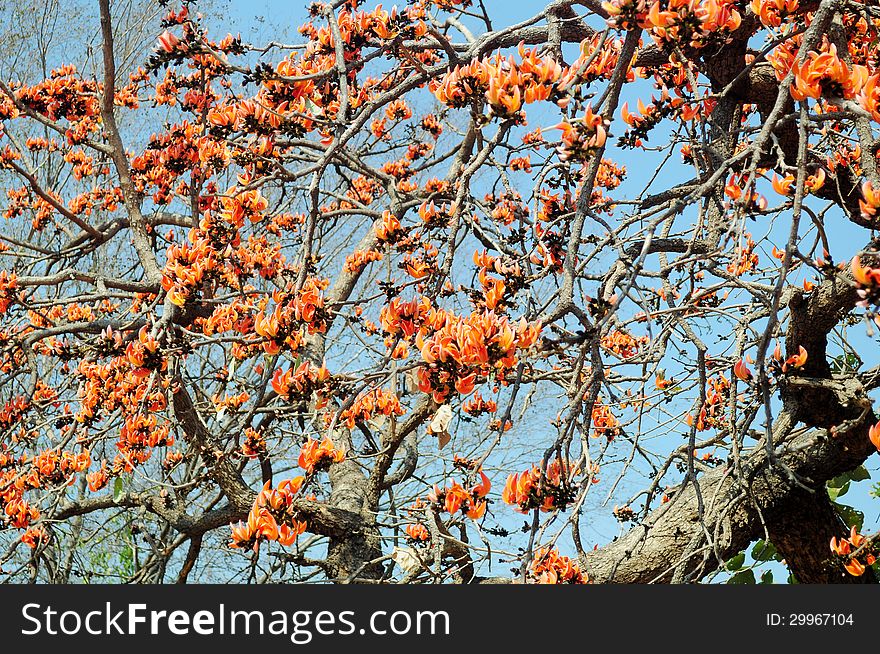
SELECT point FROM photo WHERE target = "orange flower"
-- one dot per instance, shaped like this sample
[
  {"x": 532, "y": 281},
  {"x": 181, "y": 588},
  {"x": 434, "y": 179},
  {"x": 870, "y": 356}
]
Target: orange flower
[
  {"x": 783, "y": 186},
  {"x": 389, "y": 229},
  {"x": 825, "y": 74},
  {"x": 8, "y": 283},
  {"x": 874, "y": 435},
  {"x": 315, "y": 456},
  {"x": 583, "y": 138},
  {"x": 864, "y": 275},
  {"x": 98, "y": 479},
  {"x": 796, "y": 360},
  {"x": 467, "y": 500},
  {"x": 168, "y": 42},
  {"x": 869, "y": 97},
  {"x": 855, "y": 568},
  {"x": 550, "y": 567},
  {"x": 847, "y": 547},
  {"x": 741, "y": 371},
  {"x": 771, "y": 12},
  {"x": 418, "y": 533},
  {"x": 869, "y": 203},
  {"x": 527, "y": 491},
  {"x": 465, "y": 385}
]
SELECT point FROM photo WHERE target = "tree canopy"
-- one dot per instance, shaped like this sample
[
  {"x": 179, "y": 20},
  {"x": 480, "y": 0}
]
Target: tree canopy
[{"x": 433, "y": 295}]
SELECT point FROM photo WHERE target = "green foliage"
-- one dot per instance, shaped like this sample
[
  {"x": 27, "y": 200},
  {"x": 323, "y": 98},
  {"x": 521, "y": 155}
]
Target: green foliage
[{"x": 839, "y": 486}]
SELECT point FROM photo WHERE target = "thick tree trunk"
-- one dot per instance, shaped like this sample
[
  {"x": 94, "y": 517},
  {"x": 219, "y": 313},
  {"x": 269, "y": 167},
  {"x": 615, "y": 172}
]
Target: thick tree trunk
[
  {"x": 801, "y": 530},
  {"x": 736, "y": 514}
]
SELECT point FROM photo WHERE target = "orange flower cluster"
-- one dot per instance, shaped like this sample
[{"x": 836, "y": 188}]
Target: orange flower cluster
[
  {"x": 13, "y": 411},
  {"x": 167, "y": 157},
  {"x": 604, "y": 422},
  {"x": 34, "y": 536},
  {"x": 358, "y": 260},
  {"x": 874, "y": 436},
  {"x": 847, "y": 546},
  {"x": 54, "y": 468},
  {"x": 527, "y": 491},
  {"x": 550, "y": 247},
  {"x": 623, "y": 344},
  {"x": 693, "y": 23},
  {"x": 256, "y": 255},
  {"x": 494, "y": 288},
  {"x": 98, "y": 479},
  {"x": 583, "y": 138},
  {"x": 650, "y": 115},
  {"x": 144, "y": 354},
  {"x": 751, "y": 200},
  {"x": 794, "y": 361},
  {"x": 773, "y": 12},
  {"x": 550, "y": 567},
  {"x": 316, "y": 456},
  {"x": 869, "y": 204},
  {"x": 237, "y": 205},
  {"x": 785, "y": 185},
  {"x": 65, "y": 96},
  {"x": 282, "y": 328},
  {"x": 417, "y": 533},
  {"x": 389, "y": 229},
  {"x": 356, "y": 27},
  {"x": 470, "y": 501},
  {"x": 597, "y": 60},
  {"x": 746, "y": 259},
  {"x": 17, "y": 511},
  {"x": 186, "y": 268},
  {"x": 477, "y": 406},
  {"x": 405, "y": 318},
  {"x": 824, "y": 74},
  {"x": 226, "y": 401},
  {"x": 139, "y": 433},
  {"x": 507, "y": 208},
  {"x": 457, "y": 350},
  {"x": 869, "y": 97},
  {"x": 712, "y": 412},
  {"x": 505, "y": 84},
  {"x": 8, "y": 283},
  {"x": 867, "y": 282},
  {"x": 106, "y": 387},
  {"x": 377, "y": 402},
  {"x": 272, "y": 517},
  {"x": 298, "y": 385}
]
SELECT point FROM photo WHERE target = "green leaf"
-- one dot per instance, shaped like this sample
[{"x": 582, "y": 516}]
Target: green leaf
[
  {"x": 763, "y": 551},
  {"x": 736, "y": 562},
  {"x": 838, "y": 481},
  {"x": 852, "y": 517},
  {"x": 767, "y": 577},
  {"x": 118, "y": 491},
  {"x": 841, "y": 482},
  {"x": 837, "y": 491},
  {"x": 860, "y": 474},
  {"x": 845, "y": 363},
  {"x": 743, "y": 577}
]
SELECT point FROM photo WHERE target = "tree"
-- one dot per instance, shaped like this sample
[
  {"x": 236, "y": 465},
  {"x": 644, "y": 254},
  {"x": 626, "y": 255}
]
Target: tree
[{"x": 354, "y": 312}]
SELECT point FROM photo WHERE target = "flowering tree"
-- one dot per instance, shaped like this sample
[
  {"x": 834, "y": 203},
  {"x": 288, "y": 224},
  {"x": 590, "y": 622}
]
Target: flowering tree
[{"x": 400, "y": 302}]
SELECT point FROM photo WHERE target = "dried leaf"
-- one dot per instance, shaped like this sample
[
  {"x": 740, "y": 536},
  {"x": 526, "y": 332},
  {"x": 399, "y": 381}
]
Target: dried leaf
[
  {"x": 411, "y": 379},
  {"x": 406, "y": 558},
  {"x": 443, "y": 439},
  {"x": 441, "y": 420}
]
